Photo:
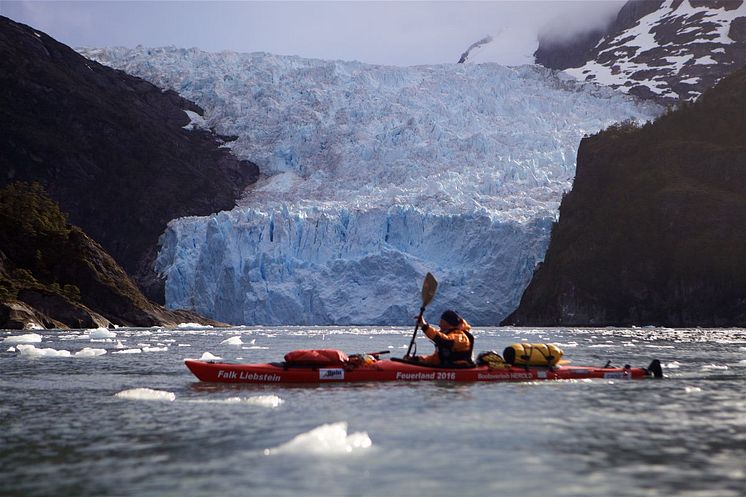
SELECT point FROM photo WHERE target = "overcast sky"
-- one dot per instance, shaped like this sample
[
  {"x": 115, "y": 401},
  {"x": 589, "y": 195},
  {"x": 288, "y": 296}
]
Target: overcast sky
[{"x": 397, "y": 33}]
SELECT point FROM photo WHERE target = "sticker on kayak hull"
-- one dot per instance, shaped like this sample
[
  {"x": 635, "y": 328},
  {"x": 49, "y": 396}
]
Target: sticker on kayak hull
[
  {"x": 617, "y": 376},
  {"x": 332, "y": 374}
]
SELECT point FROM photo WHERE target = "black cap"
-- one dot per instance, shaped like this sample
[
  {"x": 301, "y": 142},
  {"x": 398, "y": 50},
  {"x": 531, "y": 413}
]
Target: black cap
[{"x": 451, "y": 317}]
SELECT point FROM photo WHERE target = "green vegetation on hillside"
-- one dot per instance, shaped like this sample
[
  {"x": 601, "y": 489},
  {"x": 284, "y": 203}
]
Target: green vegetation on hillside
[{"x": 33, "y": 230}]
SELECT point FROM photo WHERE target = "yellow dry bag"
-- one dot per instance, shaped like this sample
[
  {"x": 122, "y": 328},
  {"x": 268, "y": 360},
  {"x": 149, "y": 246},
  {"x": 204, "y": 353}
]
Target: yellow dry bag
[{"x": 532, "y": 354}]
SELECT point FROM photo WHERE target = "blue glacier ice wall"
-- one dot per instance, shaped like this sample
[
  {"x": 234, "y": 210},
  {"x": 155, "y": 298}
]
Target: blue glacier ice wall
[
  {"x": 347, "y": 266},
  {"x": 372, "y": 176}
]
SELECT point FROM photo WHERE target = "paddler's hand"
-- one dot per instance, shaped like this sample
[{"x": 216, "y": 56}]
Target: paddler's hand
[{"x": 421, "y": 322}]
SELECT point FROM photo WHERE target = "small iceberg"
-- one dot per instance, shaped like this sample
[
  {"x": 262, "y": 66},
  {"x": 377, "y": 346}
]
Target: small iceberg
[
  {"x": 89, "y": 352},
  {"x": 128, "y": 351},
  {"x": 28, "y": 350},
  {"x": 325, "y": 440},
  {"x": 193, "y": 326},
  {"x": 232, "y": 341},
  {"x": 155, "y": 349},
  {"x": 146, "y": 394},
  {"x": 100, "y": 333},
  {"x": 206, "y": 356},
  {"x": 27, "y": 338}
]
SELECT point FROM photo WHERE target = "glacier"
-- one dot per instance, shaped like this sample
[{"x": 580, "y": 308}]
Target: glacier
[{"x": 371, "y": 177}]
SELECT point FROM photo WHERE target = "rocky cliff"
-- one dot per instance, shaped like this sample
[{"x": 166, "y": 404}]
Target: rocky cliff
[
  {"x": 665, "y": 50},
  {"x": 117, "y": 153},
  {"x": 53, "y": 275},
  {"x": 654, "y": 229}
]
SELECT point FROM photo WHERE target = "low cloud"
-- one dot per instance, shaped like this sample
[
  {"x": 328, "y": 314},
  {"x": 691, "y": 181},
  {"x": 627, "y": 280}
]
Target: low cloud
[
  {"x": 394, "y": 33},
  {"x": 577, "y": 19}
]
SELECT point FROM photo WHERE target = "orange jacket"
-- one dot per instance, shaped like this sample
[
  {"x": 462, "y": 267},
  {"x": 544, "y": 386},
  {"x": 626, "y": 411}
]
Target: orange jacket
[{"x": 453, "y": 345}]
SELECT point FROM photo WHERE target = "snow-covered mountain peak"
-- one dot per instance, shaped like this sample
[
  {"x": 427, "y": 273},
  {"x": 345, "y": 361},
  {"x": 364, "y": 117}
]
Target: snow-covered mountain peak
[
  {"x": 663, "y": 49},
  {"x": 373, "y": 175}
]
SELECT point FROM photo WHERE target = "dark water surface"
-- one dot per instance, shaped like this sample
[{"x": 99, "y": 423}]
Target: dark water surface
[{"x": 64, "y": 432}]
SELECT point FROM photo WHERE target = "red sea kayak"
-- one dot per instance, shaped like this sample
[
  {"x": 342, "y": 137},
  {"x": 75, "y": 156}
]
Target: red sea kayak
[{"x": 399, "y": 370}]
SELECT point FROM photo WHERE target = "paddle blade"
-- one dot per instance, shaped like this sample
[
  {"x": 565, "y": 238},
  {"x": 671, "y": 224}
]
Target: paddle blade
[{"x": 428, "y": 289}]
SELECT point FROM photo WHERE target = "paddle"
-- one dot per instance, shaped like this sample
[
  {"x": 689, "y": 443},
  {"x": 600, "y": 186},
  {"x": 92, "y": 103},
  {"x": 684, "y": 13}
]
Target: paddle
[{"x": 429, "y": 286}]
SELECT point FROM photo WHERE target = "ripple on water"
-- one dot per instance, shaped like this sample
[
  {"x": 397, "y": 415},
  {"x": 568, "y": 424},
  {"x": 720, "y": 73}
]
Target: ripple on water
[
  {"x": 258, "y": 400},
  {"x": 680, "y": 436}
]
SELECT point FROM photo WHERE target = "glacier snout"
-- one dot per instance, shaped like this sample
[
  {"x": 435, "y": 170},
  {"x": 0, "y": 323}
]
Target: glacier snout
[{"x": 313, "y": 266}]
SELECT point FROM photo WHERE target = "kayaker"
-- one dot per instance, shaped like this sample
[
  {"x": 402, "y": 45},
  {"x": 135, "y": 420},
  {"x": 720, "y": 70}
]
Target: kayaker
[{"x": 453, "y": 342}]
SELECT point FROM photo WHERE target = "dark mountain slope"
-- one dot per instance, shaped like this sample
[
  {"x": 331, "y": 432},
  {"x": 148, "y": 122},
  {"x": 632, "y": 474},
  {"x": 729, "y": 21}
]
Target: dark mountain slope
[
  {"x": 108, "y": 147},
  {"x": 654, "y": 229},
  {"x": 53, "y": 274}
]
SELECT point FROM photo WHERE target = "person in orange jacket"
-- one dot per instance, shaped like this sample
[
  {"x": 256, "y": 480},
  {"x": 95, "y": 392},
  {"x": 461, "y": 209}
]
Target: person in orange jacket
[{"x": 453, "y": 342}]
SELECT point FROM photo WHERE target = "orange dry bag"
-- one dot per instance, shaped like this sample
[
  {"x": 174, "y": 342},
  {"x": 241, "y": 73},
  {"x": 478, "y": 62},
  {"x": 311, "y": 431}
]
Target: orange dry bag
[{"x": 319, "y": 357}]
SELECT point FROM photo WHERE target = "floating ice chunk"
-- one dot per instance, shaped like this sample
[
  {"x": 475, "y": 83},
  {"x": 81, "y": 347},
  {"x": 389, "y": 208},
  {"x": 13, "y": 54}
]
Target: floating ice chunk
[
  {"x": 326, "y": 440},
  {"x": 232, "y": 341},
  {"x": 27, "y": 338},
  {"x": 741, "y": 363},
  {"x": 29, "y": 350},
  {"x": 11, "y": 349},
  {"x": 183, "y": 345},
  {"x": 155, "y": 349},
  {"x": 672, "y": 365},
  {"x": 33, "y": 326},
  {"x": 193, "y": 326},
  {"x": 120, "y": 345},
  {"x": 255, "y": 347},
  {"x": 128, "y": 351},
  {"x": 89, "y": 352},
  {"x": 715, "y": 366},
  {"x": 146, "y": 394},
  {"x": 206, "y": 356},
  {"x": 100, "y": 333},
  {"x": 258, "y": 400}
]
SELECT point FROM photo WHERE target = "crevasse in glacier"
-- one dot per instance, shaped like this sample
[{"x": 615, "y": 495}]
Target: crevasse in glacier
[{"x": 372, "y": 176}]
